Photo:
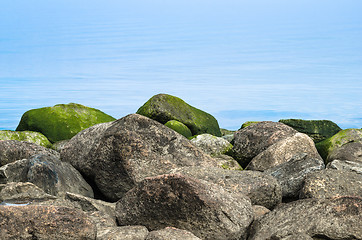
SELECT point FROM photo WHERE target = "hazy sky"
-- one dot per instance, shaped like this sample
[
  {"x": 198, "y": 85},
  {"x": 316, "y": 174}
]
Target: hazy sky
[{"x": 238, "y": 60}]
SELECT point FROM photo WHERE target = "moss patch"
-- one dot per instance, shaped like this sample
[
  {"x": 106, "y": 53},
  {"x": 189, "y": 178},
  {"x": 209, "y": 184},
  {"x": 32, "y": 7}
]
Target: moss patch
[
  {"x": 164, "y": 107},
  {"x": 179, "y": 127},
  {"x": 27, "y": 136},
  {"x": 61, "y": 121}
]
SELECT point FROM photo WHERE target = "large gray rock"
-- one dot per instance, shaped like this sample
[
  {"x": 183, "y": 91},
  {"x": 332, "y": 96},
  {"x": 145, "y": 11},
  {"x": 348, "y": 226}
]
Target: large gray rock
[
  {"x": 45, "y": 223},
  {"x": 123, "y": 233},
  {"x": 171, "y": 233},
  {"x": 47, "y": 172},
  {"x": 12, "y": 150},
  {"x": 348, "y": 152},
  {"x": 331, "y": 183},
  {"x": 205, "y": 209},
  {"x": 282, "y": 151},
  {"x": 346, "y": 165},
  {"x": 291, "y": 174},
  {"x": 129, "y": 150},
  {"x": 56, "y": 177},
  {"x": 338, "y": 218},
  {"x": 254, "y": 139},
  {"x": 261, "y": 188}
]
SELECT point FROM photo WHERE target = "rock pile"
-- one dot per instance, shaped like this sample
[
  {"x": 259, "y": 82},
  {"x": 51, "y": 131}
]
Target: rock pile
[{"x": 135, "y": 178}]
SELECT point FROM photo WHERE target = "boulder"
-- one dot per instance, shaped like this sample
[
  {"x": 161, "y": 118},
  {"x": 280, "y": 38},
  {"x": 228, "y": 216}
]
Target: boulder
[
  {"x": 78, "y": 148},
  {"x": 291, "y": 174},
  {"x": 47, "y": 172},
  {"x": 179, "y": 127},
  {"x": 117, "y": 156},
  {"x": 123, "y": 233},
  {"x": 22, "y": 193},
  {"x": 331, "y": 183},
  {"x": 211, "y": 144},
  {"x": 205, "y": 209},
  {"x": 12, "y": 150},
  {"x": 261, "y": 188},
  {"x": 338, "y": 218},
  {"x": 344, "y": 165},
  {"x": 56, "y": 177},
  {"x": 45, "y": 222},
  {"x": 61, "y": 121},
  {"x": 338, "y": 140},
  {"x": 282, "y": 151},
  {"x": 164, "y": 107},
  {"x": 318, "y": 130},
  {"x": 25, "y": 136},
  {"x": 250, "y": 141},
  {"x": 171, "y": 233},
  {"x": 348, "y": 152}
]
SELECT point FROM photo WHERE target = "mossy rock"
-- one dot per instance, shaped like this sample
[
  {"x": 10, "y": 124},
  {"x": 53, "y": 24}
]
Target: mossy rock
[
  {"x": 164, "y": 107},
  {"x": 61, "y": 121},
  {"x": 25, "y": 136},
  {"x": 179, "y": 127},
  {"x": 318, "y": 130},
  {"x": 248, "y": 123},
  {"x": 338, "y": 140}
]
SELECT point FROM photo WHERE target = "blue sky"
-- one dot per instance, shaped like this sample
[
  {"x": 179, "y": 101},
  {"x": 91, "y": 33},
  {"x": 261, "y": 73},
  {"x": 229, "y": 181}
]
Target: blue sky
[{"x": 238, "y": 60}]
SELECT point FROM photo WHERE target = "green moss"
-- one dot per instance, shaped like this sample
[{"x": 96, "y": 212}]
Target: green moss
[
  {"x": 318, "y": 130},
  {"x": 341, "y": 138},
  {"x": 61, "y": 121},
  {"x": 164, "y": 107},
  {"x": 248, "y": 123},
  {"x": 27, "y": 136},
  {"x": 179, "y": 127}
]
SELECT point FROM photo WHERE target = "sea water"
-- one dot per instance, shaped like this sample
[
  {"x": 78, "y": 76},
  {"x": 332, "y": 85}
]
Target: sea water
[{"x": 238, "y": 60}]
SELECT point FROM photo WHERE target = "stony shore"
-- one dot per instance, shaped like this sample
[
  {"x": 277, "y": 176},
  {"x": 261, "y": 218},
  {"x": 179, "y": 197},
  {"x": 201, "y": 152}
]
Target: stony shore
[{"x": 169, "y": 172}]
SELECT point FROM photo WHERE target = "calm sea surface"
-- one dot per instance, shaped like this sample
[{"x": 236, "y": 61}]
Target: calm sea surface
[{"x": 238, "y": 60}]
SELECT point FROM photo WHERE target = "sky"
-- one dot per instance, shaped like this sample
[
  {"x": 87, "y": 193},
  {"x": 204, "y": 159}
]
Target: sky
[{"x": 238, "y": 60}]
